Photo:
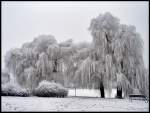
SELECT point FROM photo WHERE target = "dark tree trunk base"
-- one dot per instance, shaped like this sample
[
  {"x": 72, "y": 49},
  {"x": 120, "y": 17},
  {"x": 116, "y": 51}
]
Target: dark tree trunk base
[
  {"x": 102, "y": 90},
  {"x": 119, "y": 92}
]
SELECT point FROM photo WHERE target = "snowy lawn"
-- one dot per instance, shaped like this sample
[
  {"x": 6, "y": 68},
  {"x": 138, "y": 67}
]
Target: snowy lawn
[{"x": 71, "y": 104}]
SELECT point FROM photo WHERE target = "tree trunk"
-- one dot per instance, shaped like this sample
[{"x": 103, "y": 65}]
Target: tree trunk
[
  {"x": 102, "y": 90},
  {"x": 119, "y": 92},
  {"x": 55, "y": 66}
]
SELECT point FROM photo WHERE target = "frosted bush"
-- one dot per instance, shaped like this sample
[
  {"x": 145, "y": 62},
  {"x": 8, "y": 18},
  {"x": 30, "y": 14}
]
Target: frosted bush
[
  {"x": 11, "y": 89},
  {"x": 50, "y": 89}
]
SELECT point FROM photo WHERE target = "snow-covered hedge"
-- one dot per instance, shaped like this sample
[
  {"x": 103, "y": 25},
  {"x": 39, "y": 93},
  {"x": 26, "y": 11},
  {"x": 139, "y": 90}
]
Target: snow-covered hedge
[
  {"x": 50, "y": 89},
  {"x": 11, "y": 89}
]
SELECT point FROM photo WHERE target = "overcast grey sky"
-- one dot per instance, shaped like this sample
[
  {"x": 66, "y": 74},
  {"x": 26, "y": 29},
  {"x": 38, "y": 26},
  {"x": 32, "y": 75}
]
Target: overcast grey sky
[{"x": 23, "y": 21}]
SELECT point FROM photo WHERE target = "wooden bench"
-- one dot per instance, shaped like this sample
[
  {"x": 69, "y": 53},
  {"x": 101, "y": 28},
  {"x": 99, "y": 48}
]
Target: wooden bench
[{"x": 138, "y": 97}]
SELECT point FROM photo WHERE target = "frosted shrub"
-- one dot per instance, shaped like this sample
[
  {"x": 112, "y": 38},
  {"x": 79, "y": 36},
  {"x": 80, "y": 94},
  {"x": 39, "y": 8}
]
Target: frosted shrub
[
  {"x": 50, "y": 89},
  {"x": 11, "y": 89}
]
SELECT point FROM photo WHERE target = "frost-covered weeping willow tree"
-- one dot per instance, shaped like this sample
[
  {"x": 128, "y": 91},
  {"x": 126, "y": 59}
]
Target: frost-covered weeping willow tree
[
  {"x": 113, "y": 57},
  {"x": 103, "y": 29},
  {"x": 41, "y": 59},
  {"x": 120, "y": 48}
]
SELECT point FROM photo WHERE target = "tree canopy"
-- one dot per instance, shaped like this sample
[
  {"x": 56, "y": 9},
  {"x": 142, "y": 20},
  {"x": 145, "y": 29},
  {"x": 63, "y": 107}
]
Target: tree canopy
[{"x": 113, "y": 57}]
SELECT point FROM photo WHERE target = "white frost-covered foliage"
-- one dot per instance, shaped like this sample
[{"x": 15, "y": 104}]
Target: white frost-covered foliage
[
  {"x": 123, "y": 82},
  {"x": 42, "y": 42},
  {"x": 5, "y": 77},
  {"x": 43, "y": 66},
  {"x": 50, "y": 89},
  {"x": 19, "y": 60},
  {"x": 84, "y": 72},
  {"x": 103, "y": 29},
  {"x": 12, "y": 60},
  {"x": 66, "y": 43},
  {"x": 116, "y": 48},
  {"x": 32, "y": 79},
  {"x": 128, "y": 48},
  {"x": 105, "y": 22},
  {"x": 53, "y": 51},
  {"x": 120, "y": 48},
  {"x": 11, "y": 89}
]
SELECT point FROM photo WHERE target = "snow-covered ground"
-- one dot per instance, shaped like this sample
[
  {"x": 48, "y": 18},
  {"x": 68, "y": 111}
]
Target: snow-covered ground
[
  {"x": 86, "y": 100},
  {"x": 71, "y": 104}
]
